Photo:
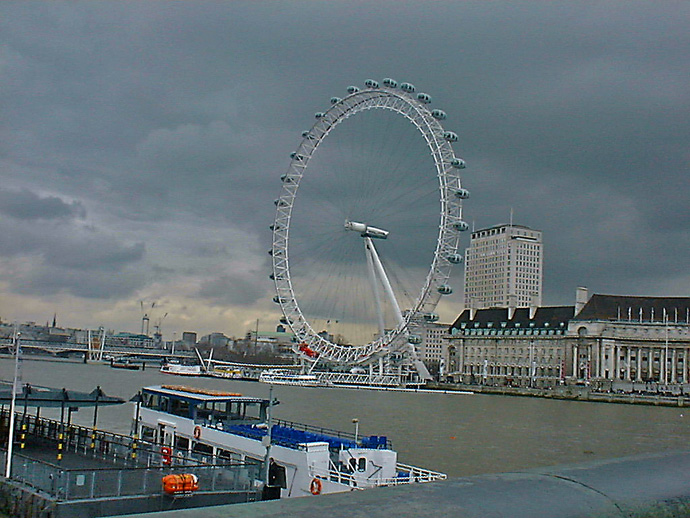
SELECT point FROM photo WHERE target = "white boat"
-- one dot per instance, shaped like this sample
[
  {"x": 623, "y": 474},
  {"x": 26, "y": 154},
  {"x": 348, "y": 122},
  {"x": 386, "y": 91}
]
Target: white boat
[
  {"x": 230, "y": 427},
  {"x": 225, "y": 372},
  {"x": 181, "y": 370},
  {"x": 286, "y": 377}
]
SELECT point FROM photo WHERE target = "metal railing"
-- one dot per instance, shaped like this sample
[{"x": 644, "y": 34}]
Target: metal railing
[
  {"x": 406, "y": 474},
  {"x": 131, "y": 467},
  {"x": 77, "y": 484},
  {"x": 325, "y": 431}
]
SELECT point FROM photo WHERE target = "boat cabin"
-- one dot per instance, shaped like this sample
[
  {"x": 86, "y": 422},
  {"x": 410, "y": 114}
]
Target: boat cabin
[{"x": 206, "y": 407}]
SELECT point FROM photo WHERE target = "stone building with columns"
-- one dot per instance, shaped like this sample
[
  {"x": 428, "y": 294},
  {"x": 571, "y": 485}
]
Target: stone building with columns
[
  {"x": 631, "y": 339},
  {"x": 608, "y": 341}
]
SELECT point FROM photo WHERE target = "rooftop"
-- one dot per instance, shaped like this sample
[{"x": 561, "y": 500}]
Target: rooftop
[
  {"x": 548, "y": 316},
  {"x": 625, "y": 307}
]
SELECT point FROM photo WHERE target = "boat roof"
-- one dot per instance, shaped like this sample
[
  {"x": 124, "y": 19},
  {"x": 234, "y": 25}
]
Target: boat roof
[{"x": 201, "y": 394}]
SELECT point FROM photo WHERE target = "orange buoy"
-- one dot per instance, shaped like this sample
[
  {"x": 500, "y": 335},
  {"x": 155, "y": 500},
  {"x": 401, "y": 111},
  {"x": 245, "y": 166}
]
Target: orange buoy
[
  {"x": 183, "y": 483},
  {"x": 315, "y": 487},
  {"x": 197, "y": 432},
  {"x": 166, "y": 452}
]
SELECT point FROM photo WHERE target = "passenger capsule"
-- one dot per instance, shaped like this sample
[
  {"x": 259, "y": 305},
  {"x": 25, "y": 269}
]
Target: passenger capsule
[
  {"x": 272, "y": 277},
  {"x": 335, "y": 100},
  {"x": 407, "y": 87},
  {"x": 450, "y": 136},
  {"x": 284, "y": 320},
  {"x": 296, "y": 156},
  {"x": 279, "y": 300},
  {"x": 438, "y": 115},
  {"x": 454, "y": 258},
  {"x": 285, "y": 178},
  {"x": 463, "y": 194},
  {"x": 460, "y": 225},
  {"x": 414, "y": 339},
  {"x": 352, "y": 89},
  {"x": 390, "y": 83},
  {"x": 458, "y": 163},
  {"x": 307, "y": 135},
  {"x": 444, "y": 289},
  {"x": 423, "y": 98},
  {"x": 279, "y": 202},
  {"x": 431, "y": 317},
  {"x": 370, "y": 83},
  {"x": 319, "y": 115}
]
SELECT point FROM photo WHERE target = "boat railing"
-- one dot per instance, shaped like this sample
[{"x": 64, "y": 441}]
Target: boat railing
[
  {"x": 405, "y": 474},
  {"x": 365, "y": 441}
]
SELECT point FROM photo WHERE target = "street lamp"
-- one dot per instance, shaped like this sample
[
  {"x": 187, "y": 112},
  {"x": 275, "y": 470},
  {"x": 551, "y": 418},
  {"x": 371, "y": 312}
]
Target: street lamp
[
  {"x": 355, "y": 421},
  {"x": 15, "y": 389}
]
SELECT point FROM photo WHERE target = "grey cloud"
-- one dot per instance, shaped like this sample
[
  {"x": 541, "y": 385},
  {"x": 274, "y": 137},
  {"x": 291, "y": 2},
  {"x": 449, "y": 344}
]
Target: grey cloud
[
  {"x": 236, "y": 289},
  {"x": 574, "y": 114},
  {"x": 52, "y": 280},
  {"x": 28, "y": 205}
]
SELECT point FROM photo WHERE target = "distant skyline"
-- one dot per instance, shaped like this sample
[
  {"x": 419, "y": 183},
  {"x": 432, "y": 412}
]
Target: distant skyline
[{"x": 141, "y": 143}]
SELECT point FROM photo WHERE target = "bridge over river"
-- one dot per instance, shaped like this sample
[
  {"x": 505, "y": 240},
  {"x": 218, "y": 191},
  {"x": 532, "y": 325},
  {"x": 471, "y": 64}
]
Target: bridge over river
[{"x": 91, "y": 351}]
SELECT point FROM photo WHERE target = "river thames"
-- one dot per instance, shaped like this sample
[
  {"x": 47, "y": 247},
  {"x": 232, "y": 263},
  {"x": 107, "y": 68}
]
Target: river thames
[{"x": 457, "y": 434}]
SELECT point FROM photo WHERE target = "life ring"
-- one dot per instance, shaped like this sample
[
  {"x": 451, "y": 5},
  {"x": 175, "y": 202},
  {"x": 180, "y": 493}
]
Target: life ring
[
  {"x": 315, "y": 487},
  {"x": 197, "y": 432},
  {"x": 166, "y": 452}
]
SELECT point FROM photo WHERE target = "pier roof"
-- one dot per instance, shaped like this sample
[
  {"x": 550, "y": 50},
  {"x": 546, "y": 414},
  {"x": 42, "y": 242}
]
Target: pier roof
[{"x": 37, "y": 396}]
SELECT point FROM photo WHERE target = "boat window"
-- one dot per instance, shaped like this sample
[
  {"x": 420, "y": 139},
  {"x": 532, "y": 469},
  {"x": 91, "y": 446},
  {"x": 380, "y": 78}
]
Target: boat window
[
  {"x": 200, "y": 447},
  {"x": 148, "y": 433},
  {"x": 151, "y": 401},
  {"x": 180, "y": 407},
  {"x": 181, "y": 443},
  {"x": 362, "y": 464},
  {"x": 229, "y": 456},
  {"x": 353, "y": 464}
]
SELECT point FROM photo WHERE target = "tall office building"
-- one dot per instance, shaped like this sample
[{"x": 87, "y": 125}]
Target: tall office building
[{"x": 503, "y": 268}]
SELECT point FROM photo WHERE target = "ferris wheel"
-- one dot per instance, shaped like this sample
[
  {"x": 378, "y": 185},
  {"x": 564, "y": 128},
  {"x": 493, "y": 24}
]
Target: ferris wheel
[{"x": 368, "y": 225}]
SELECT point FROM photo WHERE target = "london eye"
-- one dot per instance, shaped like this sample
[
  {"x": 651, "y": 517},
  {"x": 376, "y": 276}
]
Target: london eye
[{"x": 367, "y": 226}]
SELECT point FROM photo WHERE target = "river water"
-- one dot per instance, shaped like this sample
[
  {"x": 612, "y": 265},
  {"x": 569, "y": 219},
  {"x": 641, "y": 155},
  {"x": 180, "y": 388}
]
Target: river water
[{"x": 456, "y": 434}]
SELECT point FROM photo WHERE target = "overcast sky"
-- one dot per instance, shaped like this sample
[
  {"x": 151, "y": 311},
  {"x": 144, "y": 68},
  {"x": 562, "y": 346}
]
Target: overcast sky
[{"x": 142, "y": 143}]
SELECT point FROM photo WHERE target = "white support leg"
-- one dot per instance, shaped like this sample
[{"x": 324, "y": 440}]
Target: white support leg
[
  {"x": 384, "y": 279},
  {"x": 368, "y": 246}
]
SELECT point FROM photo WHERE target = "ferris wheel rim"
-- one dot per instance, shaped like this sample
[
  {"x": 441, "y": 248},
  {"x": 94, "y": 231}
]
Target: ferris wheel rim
[{"x": 447, "y": 241}]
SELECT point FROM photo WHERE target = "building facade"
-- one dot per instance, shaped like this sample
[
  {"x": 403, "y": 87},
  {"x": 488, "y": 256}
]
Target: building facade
[
  {"x": 434, "y": 346},
  {"x": 632, "y": 339},
  {"x": 613, "y": 342},
  {"x": 524, "y": 347},
  {"x": 503, "y": 267}
]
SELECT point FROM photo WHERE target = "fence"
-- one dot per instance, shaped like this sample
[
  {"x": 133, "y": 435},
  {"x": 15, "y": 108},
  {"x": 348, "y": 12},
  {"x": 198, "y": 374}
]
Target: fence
[{"x": 133, "y": 467}]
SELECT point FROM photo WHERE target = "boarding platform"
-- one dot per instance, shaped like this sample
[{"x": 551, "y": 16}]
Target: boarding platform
[{"x": 61, "y": 470}]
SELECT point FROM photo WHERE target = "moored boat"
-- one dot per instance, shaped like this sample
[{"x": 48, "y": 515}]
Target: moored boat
[
  {"x": 124, "y": 363},
  {"x": 181, "y": 369},
  {"x": 286, "y": 377},
  {"x": 306, "y": 460},
  {"x": 225, "y": 372}
]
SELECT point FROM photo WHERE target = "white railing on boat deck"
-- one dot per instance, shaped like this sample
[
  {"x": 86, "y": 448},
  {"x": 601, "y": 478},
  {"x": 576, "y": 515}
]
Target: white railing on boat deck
[
  {"x": 406, "y": 475},
  {"x": 416, "y": 474}
]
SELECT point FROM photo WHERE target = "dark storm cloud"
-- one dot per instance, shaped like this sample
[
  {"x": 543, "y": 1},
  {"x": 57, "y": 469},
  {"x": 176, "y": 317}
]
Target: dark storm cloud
[
  {"x": 576, "y": 115},
  {"x": 227, "y": 289},
  {"x": 28, "y": 205}
]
